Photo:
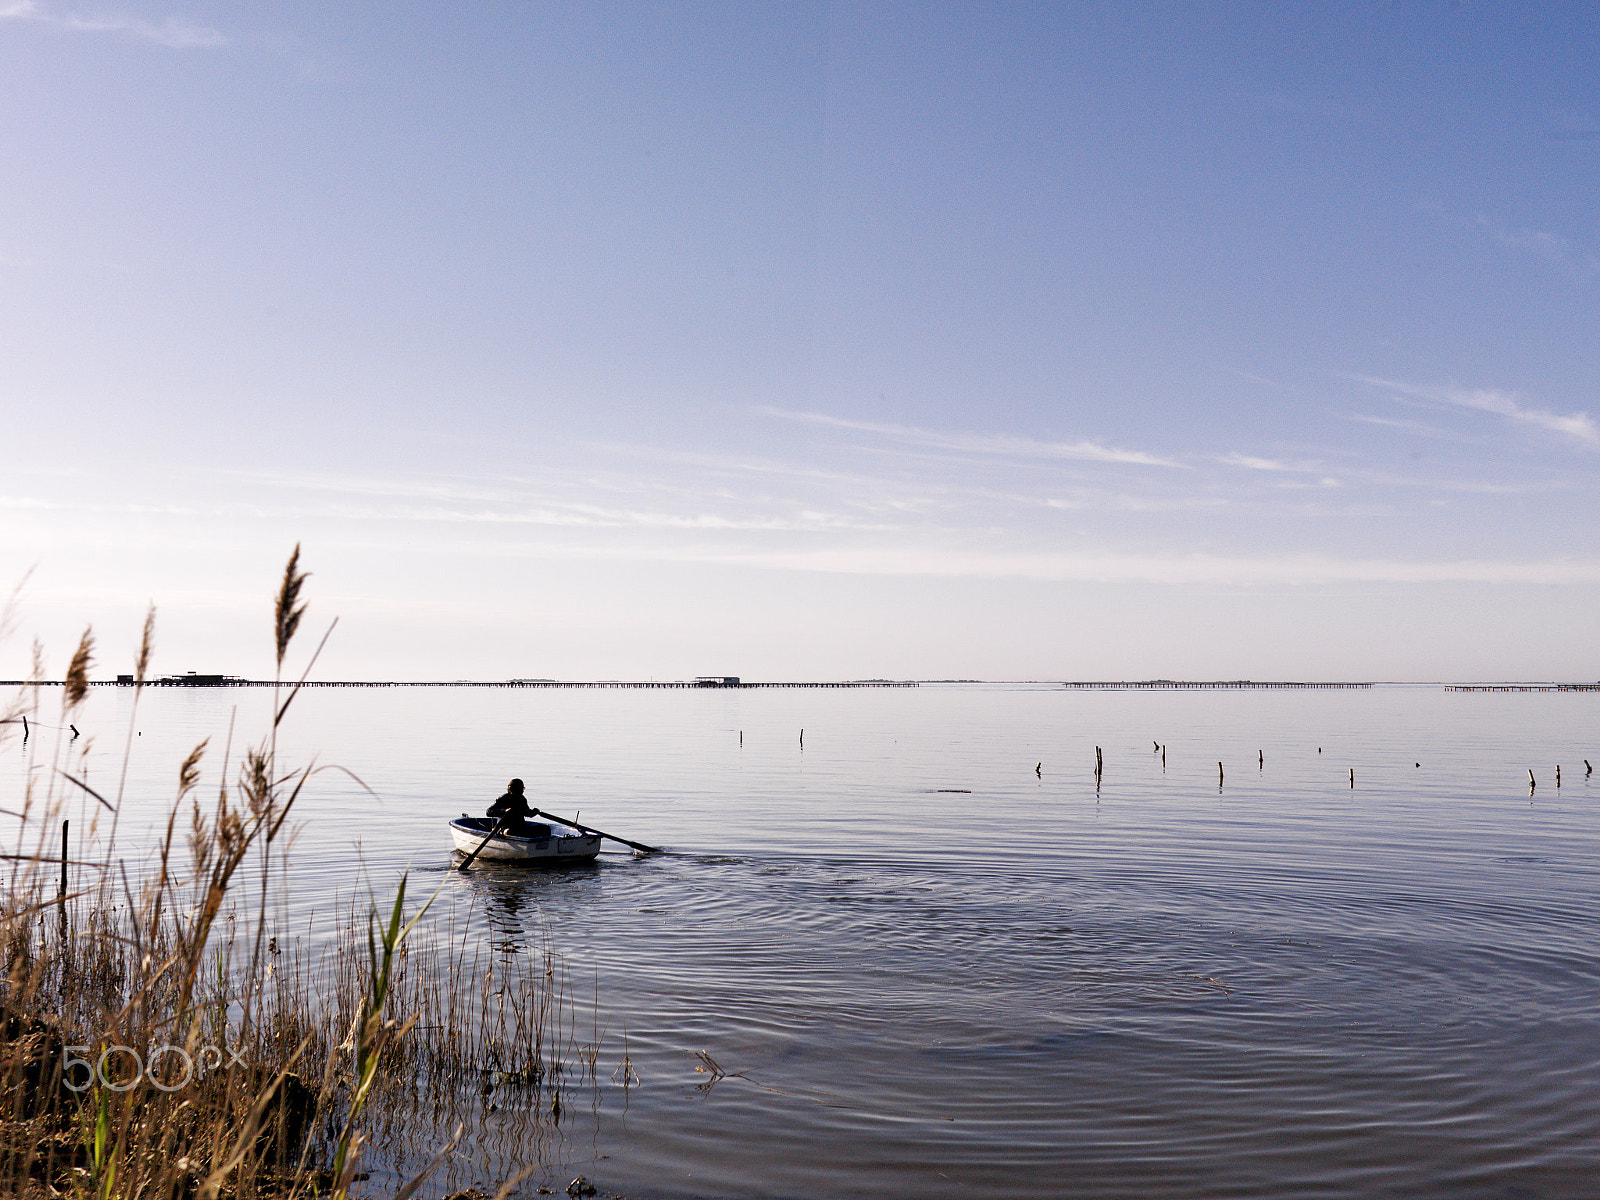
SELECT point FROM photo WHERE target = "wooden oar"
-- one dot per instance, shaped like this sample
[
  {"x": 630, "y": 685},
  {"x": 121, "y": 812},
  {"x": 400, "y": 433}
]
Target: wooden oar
[
  {"x": 497, "y": 827},
  {"x": 639, "y": 846}
]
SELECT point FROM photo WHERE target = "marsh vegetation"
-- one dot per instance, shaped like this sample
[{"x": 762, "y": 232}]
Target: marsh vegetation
[{"x": 166, "y": 1034}]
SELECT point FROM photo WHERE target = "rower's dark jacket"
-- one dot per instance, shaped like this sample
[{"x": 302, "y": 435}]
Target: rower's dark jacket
[{"x": 514, "y": 807}]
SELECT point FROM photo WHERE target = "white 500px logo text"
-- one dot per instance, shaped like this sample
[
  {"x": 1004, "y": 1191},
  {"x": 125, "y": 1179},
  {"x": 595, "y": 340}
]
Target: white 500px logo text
[{"x": 210, "y": 1058}]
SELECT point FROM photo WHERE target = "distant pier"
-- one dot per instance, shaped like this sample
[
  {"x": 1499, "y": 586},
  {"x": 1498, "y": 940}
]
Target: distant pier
[
  {"x": 1523, "y": 687},
  {"x": 1200, "y": 685}
]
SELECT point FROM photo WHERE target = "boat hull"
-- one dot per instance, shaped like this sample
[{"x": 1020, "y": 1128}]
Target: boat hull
[{"x": 469, "y": 832}]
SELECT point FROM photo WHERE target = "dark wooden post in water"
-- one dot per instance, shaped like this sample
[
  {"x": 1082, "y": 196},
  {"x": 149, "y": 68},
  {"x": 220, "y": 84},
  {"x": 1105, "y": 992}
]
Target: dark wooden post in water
[
  {"x": 1352, "y": 777},
  {"x": 1261, "y": 760},
  {"x": 1219, "y": 774},
  {"x": 62, "y": 896},
  {"x": 1558, "y": 774}
]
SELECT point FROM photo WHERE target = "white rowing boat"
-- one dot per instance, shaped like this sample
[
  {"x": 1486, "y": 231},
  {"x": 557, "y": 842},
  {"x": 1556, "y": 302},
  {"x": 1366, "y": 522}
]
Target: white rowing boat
[{"x": 550, "y": 845}]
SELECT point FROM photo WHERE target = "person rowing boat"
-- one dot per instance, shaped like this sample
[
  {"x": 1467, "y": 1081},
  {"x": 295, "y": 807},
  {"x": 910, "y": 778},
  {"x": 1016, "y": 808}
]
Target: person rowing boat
[
  {"x": 513, "y": 808},
  {"x": 507, "y": 834}
]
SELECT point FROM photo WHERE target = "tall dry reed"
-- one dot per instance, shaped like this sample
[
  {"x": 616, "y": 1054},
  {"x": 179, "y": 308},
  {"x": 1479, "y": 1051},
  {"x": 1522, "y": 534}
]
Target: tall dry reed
[{"x": 160, "y": 1037}]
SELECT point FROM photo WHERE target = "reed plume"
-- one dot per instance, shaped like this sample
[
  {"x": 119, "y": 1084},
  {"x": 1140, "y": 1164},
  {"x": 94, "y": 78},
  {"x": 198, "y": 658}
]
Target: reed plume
[
  {"x": 289, "y": 608},
  {"x": 147, "y": 641},
  {"x": 77, "y": 681}
]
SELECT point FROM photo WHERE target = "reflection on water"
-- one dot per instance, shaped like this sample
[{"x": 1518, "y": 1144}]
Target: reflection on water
[
  {"x": 936, "y": 951},
  {"x": 509, "y": 896}
]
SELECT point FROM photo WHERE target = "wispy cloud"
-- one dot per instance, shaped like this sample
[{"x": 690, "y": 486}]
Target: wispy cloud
[
  {"x": 980, "y": 443},
  {"x": 1432, "y": 431},
  {"x": 1091, "y": 500},
  {"x": 1252, "y": 463},
  {"x": 175, "y": 32},
  {"x": 596, "y": 517},
  {"x": 565, "y": 501},
  {"x": 1553, "y": 248},
  {"x": 1326, "y": 481},
  {"x": 446, "y": 490},
  {"x": 1506, "y": 404},
  {"x": 549, "y": 514},
  {"x": 972, "y": 561}
]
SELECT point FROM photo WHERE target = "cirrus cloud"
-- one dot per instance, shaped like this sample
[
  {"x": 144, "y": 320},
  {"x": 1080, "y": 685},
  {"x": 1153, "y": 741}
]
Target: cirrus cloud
[
  {"x": 178, "y": 33},
  {"x": 1577, "y": 425},
  {"x": 981, "y": 443}
]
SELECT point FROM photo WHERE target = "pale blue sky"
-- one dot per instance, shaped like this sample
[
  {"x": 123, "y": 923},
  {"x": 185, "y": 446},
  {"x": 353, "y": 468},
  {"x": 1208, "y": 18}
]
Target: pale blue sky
[{"x": 806, "y": 341}]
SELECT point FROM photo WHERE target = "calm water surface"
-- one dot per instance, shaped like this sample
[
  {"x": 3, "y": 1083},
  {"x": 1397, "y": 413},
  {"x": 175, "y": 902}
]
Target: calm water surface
[{"x": 1280, "y": 987}]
